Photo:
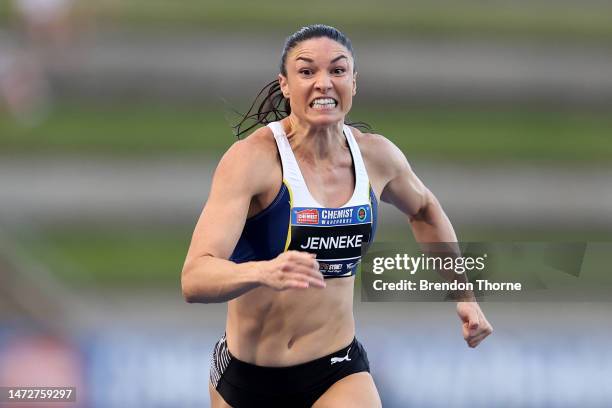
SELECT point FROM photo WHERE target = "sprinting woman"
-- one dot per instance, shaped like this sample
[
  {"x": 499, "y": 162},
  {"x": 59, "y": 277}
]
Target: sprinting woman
[{"x": 290, "y": 208}]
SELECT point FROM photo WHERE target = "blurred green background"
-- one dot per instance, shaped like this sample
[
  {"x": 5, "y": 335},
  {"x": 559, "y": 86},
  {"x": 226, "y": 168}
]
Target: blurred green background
[
  {"x": 114, "y": 114},
  {"x": 530, "y": 20},
  {"x": 76, "y": 122},
  {"x": 458, "y": 134}
]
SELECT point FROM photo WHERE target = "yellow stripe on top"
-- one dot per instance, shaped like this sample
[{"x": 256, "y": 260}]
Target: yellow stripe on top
[
  {"x": 286, "y": 183},
  {"x": 370, "y": 201}
]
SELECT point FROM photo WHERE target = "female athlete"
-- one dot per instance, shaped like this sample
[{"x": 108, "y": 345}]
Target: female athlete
[{"x": 280, "y": 238}]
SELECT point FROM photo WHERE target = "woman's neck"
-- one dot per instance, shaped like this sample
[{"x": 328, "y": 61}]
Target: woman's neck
[{"x": 314, "y": 142}]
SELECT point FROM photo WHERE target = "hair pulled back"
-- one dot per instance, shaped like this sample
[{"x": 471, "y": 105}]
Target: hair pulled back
[{"x": 270, "y": 104}]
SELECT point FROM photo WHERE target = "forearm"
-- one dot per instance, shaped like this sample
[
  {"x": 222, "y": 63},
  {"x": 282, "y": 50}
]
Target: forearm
[
  {"x": 436, "y": 235},
  {"x": 208, "y": 279}
]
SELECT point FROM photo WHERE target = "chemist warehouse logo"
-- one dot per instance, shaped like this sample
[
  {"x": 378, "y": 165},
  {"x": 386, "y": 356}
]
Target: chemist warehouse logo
[
  {"x": 361, "y": 214},
  {"x": 310, "y": 216}
]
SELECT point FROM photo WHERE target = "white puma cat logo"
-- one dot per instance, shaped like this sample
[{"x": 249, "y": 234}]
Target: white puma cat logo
[{"x": 335, "y": 360}]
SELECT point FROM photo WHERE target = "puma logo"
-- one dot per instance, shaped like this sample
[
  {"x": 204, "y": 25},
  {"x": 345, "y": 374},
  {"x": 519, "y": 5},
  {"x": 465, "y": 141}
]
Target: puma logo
[{"x": 335, "y": 360}]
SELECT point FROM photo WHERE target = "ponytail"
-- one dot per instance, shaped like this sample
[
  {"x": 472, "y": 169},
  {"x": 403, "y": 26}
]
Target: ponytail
[{"x": 269, "y": 109}]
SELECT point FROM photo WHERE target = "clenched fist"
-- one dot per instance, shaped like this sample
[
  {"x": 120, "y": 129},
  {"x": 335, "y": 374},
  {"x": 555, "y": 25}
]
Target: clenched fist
[{"x": 475, "y": 324}]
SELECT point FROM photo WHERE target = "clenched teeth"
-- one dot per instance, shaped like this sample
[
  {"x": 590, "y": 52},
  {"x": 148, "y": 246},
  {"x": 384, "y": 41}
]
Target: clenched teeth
[{"x": 323, "y": 102}]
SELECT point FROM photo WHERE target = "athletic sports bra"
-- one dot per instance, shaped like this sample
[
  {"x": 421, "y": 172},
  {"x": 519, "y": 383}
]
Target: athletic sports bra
[{"x": 296, "y": 221}]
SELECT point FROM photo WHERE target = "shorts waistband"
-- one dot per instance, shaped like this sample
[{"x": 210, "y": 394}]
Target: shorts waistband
[{"x": 290, "y": 376}]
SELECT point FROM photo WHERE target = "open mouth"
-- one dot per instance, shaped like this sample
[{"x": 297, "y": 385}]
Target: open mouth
[{"x": 324, "y": 103}]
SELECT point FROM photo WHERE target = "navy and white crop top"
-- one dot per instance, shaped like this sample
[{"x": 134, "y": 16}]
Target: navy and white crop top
[{"x": 296, "y": 221}]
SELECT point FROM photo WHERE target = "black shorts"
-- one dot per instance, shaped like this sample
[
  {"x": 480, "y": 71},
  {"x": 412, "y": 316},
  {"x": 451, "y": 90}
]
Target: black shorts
[{"x": 244, "y": 385}]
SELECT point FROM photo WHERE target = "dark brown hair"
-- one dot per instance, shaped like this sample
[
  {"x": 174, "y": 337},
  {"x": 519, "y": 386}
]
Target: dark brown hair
[{"x": 274, "y": 106}]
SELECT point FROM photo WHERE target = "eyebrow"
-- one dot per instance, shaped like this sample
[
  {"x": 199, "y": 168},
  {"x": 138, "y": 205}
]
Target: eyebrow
[{"x": 339, "y": 57}]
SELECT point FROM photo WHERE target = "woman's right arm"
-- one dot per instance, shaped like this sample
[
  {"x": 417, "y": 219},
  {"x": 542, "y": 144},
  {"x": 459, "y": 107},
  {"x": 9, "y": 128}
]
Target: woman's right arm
[{"x": 207, "y": 276}]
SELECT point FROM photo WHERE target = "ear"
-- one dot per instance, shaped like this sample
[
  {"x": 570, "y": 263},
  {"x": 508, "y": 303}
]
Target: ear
[
  {"x": 354, "y": 83},
  {"x": 284, "y": 86}
]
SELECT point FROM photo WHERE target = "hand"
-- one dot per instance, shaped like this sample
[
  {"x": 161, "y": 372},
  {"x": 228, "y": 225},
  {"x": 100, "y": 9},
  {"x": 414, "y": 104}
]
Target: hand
[
  {"x": 475, "y": 324},
  {"x": 292, "y": 270}
]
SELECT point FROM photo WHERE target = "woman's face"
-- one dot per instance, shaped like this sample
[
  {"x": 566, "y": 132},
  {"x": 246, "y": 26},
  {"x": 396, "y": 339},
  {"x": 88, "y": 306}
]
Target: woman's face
[{"x": 320, "y": 82}]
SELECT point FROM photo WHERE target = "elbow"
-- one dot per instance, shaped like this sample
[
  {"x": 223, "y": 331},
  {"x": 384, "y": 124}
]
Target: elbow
[
  {"x": 188, "y": 287},
  {"x": 192, "y": 288},
  {"x": 188, "y": 295},
  {"x": 428, "y": 210},
  {"x": 422, "y": 216},
  {"x": 417, "y": 217},
  {"x": 193, "y": 295}
]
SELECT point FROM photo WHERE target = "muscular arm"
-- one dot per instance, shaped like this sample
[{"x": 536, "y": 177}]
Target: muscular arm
[
  {"x": 208, "y": 276},
  {"x": 430, "y": 225},
  {"x": 403, "y": 189},
  {"x": 407, "y": 193}
]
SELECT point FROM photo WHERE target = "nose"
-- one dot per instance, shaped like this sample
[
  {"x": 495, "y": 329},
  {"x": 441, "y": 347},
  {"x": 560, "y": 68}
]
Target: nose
[{"x": 323, "y": 83}]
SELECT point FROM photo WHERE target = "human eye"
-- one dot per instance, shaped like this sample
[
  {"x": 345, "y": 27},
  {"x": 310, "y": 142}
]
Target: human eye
[
  {"x": 305, "y": 71},
  {"x": 339, "y": 70}
]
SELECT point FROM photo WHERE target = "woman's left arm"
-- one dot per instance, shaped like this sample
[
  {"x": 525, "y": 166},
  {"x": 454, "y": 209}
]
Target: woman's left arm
[{"x": 404, "y": 190}]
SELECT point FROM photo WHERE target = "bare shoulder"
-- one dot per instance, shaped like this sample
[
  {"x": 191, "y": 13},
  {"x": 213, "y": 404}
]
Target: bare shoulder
[
  {"x": 251, "y": 161},
  {"x": 259, "y": 144},
  {"x": 381, "y": 156},
  {"x": 390, "y": 173}
]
